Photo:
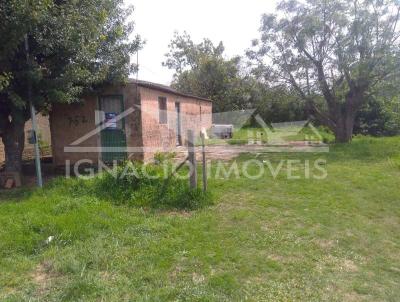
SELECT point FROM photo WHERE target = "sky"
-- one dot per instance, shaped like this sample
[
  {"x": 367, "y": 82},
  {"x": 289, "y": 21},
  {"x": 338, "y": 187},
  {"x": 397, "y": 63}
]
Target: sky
[{"x": 234, "y": 22}]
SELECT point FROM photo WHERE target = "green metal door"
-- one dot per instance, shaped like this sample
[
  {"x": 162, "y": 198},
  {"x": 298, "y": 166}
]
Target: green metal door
[{"x": 113, "y": 138}]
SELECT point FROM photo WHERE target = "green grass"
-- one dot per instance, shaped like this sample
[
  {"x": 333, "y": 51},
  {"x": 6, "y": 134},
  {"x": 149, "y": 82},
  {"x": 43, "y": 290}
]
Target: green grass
[{"x": 270, "y": 239}]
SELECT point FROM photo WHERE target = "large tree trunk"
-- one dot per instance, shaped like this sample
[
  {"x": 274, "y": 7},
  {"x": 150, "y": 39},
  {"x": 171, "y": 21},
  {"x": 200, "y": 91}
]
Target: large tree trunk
[
  {"x": 344, "y": 127},
  {"x": 14, "y": 142}
]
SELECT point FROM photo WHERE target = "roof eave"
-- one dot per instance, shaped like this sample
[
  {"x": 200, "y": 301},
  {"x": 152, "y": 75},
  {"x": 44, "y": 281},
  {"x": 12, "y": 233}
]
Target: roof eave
[{"x": 166, "y": 89}]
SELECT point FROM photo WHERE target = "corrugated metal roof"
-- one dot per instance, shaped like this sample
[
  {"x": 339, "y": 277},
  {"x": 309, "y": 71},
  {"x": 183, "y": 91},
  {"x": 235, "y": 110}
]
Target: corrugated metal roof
[{"x": 165, "y": 88}]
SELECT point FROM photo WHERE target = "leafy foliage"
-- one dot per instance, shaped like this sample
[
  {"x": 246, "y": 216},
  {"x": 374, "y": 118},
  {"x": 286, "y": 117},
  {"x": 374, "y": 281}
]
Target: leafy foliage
[
  {"x": 338, "y": 51},
  {"x": 185, "y": 55},
  {"x": 74, "y": 46},
  {"x": 202, "y": 69},
  {"x": 379, "y": 117}
]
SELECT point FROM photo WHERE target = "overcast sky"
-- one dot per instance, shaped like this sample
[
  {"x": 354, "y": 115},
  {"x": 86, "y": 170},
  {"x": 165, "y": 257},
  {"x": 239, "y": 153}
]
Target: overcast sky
[{"x": 235, "y": 22}]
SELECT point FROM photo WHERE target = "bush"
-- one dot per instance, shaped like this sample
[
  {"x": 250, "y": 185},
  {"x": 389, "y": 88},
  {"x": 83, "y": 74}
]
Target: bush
[
  {"x": 141, "y": 185},
  {"x": 379, "y": 117},
  {"x": 237, "y": 141}
]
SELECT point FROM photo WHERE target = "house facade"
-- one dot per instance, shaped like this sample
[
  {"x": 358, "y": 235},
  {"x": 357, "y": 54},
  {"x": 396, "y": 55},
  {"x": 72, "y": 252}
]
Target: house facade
[{"x": 130, "y": 121}]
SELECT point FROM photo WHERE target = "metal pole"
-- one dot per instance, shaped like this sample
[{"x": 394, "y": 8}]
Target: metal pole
[{"x": 39, "y": 179}]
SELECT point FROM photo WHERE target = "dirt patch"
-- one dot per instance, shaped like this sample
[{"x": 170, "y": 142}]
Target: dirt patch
[
  {"x": 277, "y": 258},
  {"x": 107, "y": 276},
  {"x": 224, "y": 153},
  {"x": 350, "y": 266},
  {"x": 175, "y": 273},
  {"x": 325, "y": 243},
  {"x": 198, "y": 278},
  {"x": 42, "y": 276},
  {"x": 184, "y": 214},
  {"x": 353, "y": 297}
]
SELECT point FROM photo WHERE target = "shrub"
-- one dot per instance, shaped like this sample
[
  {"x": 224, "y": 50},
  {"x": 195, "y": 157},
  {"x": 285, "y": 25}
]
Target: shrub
[
  {"x": 237, "y": 142},
  {"x": 136, "y": 184},
  {"x": 162, "y": 157}
]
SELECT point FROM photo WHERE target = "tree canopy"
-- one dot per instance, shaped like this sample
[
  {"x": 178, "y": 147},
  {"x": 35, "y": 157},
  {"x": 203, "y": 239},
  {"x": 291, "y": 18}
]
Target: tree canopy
[
  {"x": 201, "y": 69},
  {"x": 74, "y": 46},
  {"x": 338, "y": 51}
]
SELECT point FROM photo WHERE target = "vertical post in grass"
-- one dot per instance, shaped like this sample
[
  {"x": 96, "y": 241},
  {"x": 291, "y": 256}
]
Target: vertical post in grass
[
  {"x": 35, "y": 139},
  {"x": 203, "y": 152},
  {"x": 192, "y": 159}
]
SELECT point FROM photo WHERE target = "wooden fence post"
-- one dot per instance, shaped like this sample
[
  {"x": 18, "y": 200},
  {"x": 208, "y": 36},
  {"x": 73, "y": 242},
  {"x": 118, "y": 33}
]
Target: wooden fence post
[
  {"x": 203, "y": 151},
  {"x": 192, "y": 160}
]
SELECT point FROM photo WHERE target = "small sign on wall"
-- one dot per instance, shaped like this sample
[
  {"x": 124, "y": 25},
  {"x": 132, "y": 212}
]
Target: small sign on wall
[{"x": 110, "y": 120}]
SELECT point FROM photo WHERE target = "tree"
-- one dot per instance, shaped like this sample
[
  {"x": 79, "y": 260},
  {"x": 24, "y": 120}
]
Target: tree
[
  {"x": 75, "y": 46},
  {"x": 338, "y": 51},
  {"x": 276, "y": 104},
  {"x": 202, "y": 70},
  {"x": 380, "y": 115}
]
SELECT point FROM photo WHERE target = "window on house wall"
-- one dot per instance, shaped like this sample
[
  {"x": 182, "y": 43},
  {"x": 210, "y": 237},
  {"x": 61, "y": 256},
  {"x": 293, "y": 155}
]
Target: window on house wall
[{"x": 162, "y": 109}]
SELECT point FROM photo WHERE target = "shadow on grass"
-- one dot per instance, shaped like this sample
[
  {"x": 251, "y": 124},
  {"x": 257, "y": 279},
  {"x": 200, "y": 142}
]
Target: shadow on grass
[{"x": 15, "y": 195}]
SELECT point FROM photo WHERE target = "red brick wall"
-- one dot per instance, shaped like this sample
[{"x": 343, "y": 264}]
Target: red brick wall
[
  {"x": 2, "y": 156},
  {"x": 162, "y": 137},
  {"x": 70, "y": 122},
  {"x": 64, "y": 132},
  {"x": 45, "y": 136}
]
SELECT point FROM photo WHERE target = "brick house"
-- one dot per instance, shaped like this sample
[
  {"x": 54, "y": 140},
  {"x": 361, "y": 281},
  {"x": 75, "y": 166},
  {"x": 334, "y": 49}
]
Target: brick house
[
  {"x": 44, "y": 136},
  {"x": 133, "y": 121}
]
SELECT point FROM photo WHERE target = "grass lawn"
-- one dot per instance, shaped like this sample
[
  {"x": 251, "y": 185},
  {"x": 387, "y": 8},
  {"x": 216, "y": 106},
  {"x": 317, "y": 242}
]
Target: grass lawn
[{"x": 335, "y": 239}]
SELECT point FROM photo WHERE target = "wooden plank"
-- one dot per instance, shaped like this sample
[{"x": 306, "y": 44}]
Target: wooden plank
[
  {"x": 9, "y": 183},
  {"x": 192, "y": 159},
  {"x": 203, "y": 151}
]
